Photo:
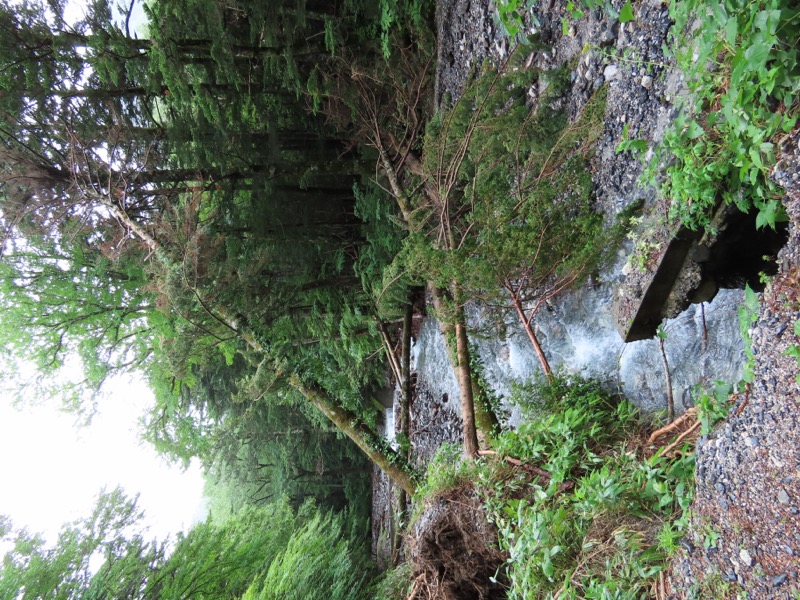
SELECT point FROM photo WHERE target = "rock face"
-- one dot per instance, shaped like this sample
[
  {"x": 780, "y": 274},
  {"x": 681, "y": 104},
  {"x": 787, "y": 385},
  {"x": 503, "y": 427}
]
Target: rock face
[
  {"x": 748, "y": 470},
  {"x": 703, "y": 345}
]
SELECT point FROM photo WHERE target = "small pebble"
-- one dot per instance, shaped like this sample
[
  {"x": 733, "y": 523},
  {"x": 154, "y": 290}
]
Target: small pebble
[
  {"x": 647, "y": 82},
  {"x": 745, "y": 557},
  {"x": 610, "y": 72},
  {"x": 783, "y": 497},
  {"x": 779, "y": 579},
  {"x": 607, "y": 38}
]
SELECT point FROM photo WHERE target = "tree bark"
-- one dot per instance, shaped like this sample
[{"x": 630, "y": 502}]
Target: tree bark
[
  {"x": 455, "y": 330},
  {"x": 467, "y": 398},
  {"x": 357, "y": 431},
  {"x": 405, "y": 370}
]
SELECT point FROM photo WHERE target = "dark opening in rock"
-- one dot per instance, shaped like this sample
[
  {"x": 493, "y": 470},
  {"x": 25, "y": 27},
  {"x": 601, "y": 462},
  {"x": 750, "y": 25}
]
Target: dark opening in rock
[
  {"x": 738, "y": 256},
  {"x": 694, "y": 266}
]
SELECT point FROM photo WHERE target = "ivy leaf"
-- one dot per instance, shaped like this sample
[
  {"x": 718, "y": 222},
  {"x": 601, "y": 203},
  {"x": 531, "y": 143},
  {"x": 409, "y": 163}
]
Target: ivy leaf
[
  {"x": 626, "y": 13},
  {"x": 694, "y": 130},
  {"x": 767, "y": 215}
]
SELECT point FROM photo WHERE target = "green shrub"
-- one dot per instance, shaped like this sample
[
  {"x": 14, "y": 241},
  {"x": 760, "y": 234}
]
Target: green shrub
[
  {"x": 741, "y": 68},
  {"x": 605, "y": 521},
  {"x": 448, "y": 469},
  {"x": 322, "y": 561},
  {"x": 395, "y": 583}
]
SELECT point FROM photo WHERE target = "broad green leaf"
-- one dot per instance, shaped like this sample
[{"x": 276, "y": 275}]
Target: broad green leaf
[
  {"x": 694, "y": 130},
  {"x": 757, "y": 55},
  {"x": 548, "y": 568},
  {"x": 768, "y": 21},
  {"x": 767, "y": 215},
  {"x": 755, "y": 155},
  {"x": 626, "y": 13},
  {"x": 731, "y": 30}
]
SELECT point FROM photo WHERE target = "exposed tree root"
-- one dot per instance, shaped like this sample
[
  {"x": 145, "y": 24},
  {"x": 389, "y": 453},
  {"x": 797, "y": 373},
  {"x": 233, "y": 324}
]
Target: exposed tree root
[
  {"x": 687, "y": 428},
  {"x": 689, "y": 415},
  {"x": 454, "y": 550}
]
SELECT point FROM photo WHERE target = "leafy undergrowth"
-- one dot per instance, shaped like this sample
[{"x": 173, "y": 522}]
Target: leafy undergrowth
[
  {"x": 740, "y": 59},
  {"x": 605, "y": 518},
  {"x": 577, "y": 504}
]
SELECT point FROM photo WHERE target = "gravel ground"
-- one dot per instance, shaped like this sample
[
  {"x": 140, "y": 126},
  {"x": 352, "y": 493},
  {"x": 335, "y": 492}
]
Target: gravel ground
[{"x": 745, "y": 528}]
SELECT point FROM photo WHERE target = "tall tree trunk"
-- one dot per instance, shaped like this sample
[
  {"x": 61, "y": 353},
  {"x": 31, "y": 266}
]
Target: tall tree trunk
[
  {"x": 454, "y": 331},
  {"x": 405, "y": 371},
  {"x": 357, "y": 431},
  {"x": 401, "y": 497},
  {"x": 457, "y": 331},
  {"x": 464, "y": 373}
]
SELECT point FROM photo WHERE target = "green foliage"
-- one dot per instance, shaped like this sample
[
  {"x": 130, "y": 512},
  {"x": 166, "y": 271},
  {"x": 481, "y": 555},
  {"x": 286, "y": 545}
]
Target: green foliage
[
  {"x": 322, "y": 560},
  {"x": 400, "y": 16},
  {"x": 448, "y": 469},
  {"x": 626, "y": 12},
  {"x": 627, "y": 144},
  {"x": 590, "y": 530},
  {"x": 394, "y": 583},
  {"x": 32, "y": 569},
  {"x": 714, "y": 405},
  {"x": 577, "y": 418},
  {"x": 512, "y": 190},
  {"x": 384, "y": 236},
  {"x": 67, "y": 303},
  {"x": 196, "y": 222},
  {"x": 742, "y": 70},
  {"x": 510, "y": 17},
  {"x": 748, "y": 315},
  {"x": 603, "y": 522},
  {"x": 269, "y": 552}
]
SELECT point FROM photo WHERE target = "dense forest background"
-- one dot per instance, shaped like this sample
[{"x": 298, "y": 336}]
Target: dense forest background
[
  {"x": 246, "y": 204},
  {"x": 182, "y": 204},
  {"x": 197, "y": 203}
]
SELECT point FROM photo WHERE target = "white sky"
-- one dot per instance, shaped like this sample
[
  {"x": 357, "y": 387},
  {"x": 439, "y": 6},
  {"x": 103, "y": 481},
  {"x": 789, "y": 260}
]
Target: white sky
[{"x": 51, "y": 471}]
